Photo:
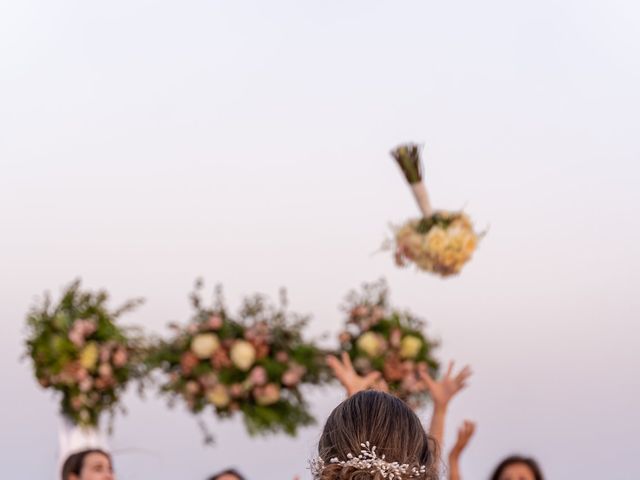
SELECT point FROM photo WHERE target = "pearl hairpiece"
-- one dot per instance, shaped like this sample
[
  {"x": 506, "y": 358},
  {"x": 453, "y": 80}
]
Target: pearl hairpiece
[{"x": 369, "y": 461}]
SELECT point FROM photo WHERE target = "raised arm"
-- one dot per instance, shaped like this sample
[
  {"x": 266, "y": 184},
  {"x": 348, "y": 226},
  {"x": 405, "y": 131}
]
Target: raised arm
[
  {"x": 442, "y": 391},
  {"x": 465, "y": 432}
]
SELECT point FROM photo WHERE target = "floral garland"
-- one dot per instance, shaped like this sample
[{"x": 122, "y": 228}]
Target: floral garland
[
  {"x": 379, "y": 338},
  {"x": 440, "y": 242},
  {"x": 253, "y": 364},
  {"x": 78, "y": 350}
]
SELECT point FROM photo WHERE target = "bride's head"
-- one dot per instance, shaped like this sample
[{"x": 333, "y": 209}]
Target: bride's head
[{"x": 374, "y": 419}]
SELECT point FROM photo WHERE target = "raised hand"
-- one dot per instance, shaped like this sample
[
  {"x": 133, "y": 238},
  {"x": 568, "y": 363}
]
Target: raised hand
[
  {"x": 349, "y": 378},
  {"x": 443, "y": 390},
  {"x": 465, "y": 432}
]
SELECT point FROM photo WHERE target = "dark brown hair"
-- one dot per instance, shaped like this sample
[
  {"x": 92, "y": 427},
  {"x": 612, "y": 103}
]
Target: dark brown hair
[
  {"x": 74, "y": 463},
  {"x": 227, "y": 472},
  {"x": 518, "y": 459},
  {"x": 387, "y": 423}
]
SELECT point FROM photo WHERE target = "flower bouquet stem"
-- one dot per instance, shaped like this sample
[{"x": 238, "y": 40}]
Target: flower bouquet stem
[{"x": 408, "y": 158}]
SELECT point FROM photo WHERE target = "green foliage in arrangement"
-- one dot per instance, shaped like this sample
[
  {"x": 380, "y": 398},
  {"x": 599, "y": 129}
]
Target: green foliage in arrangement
[{"x": 78, "y": 350}]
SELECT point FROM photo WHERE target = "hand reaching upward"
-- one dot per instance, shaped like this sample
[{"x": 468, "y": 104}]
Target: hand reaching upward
[
  {"x": 465, "y": 432},
  {"x": 443, "y": 390},
  {"x": 349, "y": 378}
]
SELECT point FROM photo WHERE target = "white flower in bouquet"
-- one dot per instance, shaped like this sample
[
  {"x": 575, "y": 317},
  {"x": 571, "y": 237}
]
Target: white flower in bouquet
[
  {"x": 370, "y": 343},
  {"x": 204, "y": 345},
  {"x": 410, "y": 346},
  {"x": 243, "y": 354},
  {"x": 219, "y": 396}
]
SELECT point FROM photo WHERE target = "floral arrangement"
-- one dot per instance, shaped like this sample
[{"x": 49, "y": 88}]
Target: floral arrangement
[
  {"x": 253, "y": 364},
  {"x": 379, "y": 338},
  {"x": 440, "y": 242},
  {"x": 78, "y": 349}
]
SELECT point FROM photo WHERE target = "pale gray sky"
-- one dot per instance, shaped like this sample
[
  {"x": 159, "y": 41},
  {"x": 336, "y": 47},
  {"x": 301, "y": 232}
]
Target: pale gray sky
[{"x": 144, "y": 143}]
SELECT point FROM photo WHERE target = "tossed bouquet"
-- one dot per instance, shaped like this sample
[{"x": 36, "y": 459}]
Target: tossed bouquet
[
  {"x": 79, "y": 350},
  {"x": 440, "y": 242}
]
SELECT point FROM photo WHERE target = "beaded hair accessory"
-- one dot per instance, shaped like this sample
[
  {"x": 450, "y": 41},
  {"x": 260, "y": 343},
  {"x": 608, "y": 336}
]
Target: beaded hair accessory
[{"x": 369, "y": 461}]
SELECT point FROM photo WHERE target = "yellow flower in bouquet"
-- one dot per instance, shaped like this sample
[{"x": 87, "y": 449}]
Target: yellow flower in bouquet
[
  {"x": 219, "y": 396},
  {"x": 442, "y": 249},
  {"x": 410, "y": 347},
  {"x": 371, "y": 344},
  {"x": 89, "y": 356}
]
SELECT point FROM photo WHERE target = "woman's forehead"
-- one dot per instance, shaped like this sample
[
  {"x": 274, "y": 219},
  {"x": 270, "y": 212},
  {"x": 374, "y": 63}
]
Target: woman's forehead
[{"x": 95, "y": 457}]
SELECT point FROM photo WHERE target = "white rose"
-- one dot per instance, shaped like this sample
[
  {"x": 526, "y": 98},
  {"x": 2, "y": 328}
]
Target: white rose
[
  {"x": 370, "y": 344},
  {"x": 204, "y": 344},
  {"x": 410, "y": 347},
  {"x": 243, "y": 355}
]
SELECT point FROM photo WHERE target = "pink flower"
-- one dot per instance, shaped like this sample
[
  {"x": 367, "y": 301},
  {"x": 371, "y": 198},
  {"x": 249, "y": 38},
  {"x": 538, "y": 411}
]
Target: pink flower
[
  {"x": 293, "y": 376},
  {"x": 267, "y": 395},
  {"x": 395, "y": 338},
  {"x": 209, "y": 381},
  {"x": 377, "y": 314},
  {"x": 105, "y": 354},
  {"x": 359, "y": 311},
  {"x": 101, "y": 383},
  {"x": 344, "y": 337},
  {"x": 76, "y": 403},
  {"x": 215, "y": 322},
  {"x": 393, "y": 369},
  {"x": 236, "y": 390},
  {"x": 85, "y": 385},
  {"x": 282, "y": 357},
  {"x": 105, "y": 370},
  {"x": 192, "y": 328},
  {"x": 76, "y": 337},
  {"x": 44, "y": 382},
  {"x": 258, "y": 376},
  {"x": 81, "y": 374},
  {"x": 87, "y": 327},
  {"x": 188, "y": 361},
  {"x": 192, "y": 388},
  {"x": 120, "y": 357}
]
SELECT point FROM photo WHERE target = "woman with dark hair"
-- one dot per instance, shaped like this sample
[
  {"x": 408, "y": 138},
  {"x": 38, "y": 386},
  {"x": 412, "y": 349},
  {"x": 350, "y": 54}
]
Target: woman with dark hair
[
  {"x": 227, "y": 475},
  {"x": 91, "y": 464},
  {"x": 517, "y": 467}
]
